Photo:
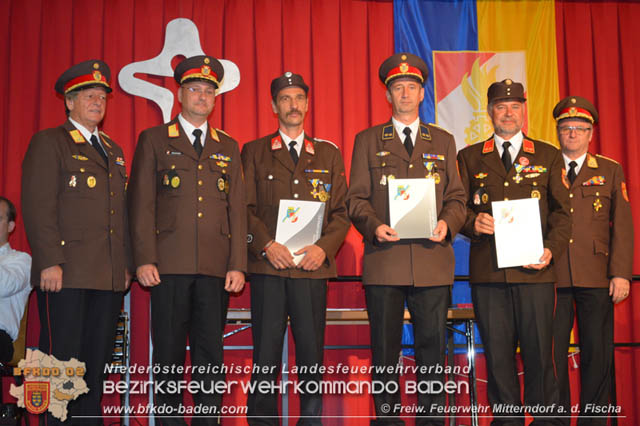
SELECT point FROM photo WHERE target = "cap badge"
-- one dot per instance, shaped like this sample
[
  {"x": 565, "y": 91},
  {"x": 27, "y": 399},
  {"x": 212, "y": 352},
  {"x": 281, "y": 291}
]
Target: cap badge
[
  {"x": 288, "y": 74},
  {"x": 573, "y": 100},
  {"x": 573, "y": 111},
  {"x": 206, "y": 60},
  {"x": 206, "y": 69},
  {"x": 508, "y": 82},
  {"x": 404, "y": 67},
  {"x": 403, "y": 57},
  {"x": 96, "y": 65},
  {"x": 97, "y": 75}
]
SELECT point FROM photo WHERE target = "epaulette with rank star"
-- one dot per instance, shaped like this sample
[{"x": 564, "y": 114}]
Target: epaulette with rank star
[
  {"x": 387, "y": 132},
  {"x": 592, "y": 163},
  {"x": 424, "y": 132},
  {"x": 173, "y": 131},
  {"x": 105, "y": 138},
  {"x": 607, "y": 158},
  {"x": 528, "y": 146},
  {"x": 441, "y": 128},
  {"x": 77, "y": 136}
]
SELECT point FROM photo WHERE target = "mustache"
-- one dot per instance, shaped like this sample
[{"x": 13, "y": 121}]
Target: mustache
[{"x": 293, "y": 111}]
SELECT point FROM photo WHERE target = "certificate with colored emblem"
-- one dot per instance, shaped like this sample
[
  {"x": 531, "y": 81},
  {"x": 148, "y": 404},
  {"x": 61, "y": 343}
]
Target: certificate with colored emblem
[
  {"x": 299, "y": 224},
  {"x": 412, "y": 207},
  {"x": 518, "y": 232}
]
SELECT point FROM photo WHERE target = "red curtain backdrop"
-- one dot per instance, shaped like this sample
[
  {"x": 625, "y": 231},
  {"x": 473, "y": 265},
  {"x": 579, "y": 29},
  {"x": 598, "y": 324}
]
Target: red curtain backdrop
[
  {"x": 337, "y": 45},
  {"x": 599, "y": 58}
]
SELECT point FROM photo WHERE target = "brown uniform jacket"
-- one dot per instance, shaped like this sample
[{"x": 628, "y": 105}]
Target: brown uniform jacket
[
  {"x": 187, "y": 214},
  {"x": 271, "y": 175},
  {"x": 601, "y": 244},
  {"x": 379, "y": 153},
  {"x": 485, "y": 180},
  {"x": 74, "y": 209}
]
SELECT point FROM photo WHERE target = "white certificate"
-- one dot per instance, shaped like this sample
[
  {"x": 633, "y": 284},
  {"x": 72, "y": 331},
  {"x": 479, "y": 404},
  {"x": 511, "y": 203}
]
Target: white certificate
[
  {"x": 412, "y": 207},
  {"x": 299, "y": 224},
  {"x": 518, "y": 232}
]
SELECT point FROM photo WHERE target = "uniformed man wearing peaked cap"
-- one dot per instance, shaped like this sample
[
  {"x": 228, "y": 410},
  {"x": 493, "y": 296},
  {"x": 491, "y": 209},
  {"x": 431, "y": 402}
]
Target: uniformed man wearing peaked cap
[
  {"x": 594, "y": 272},
  {"x": 188, "y": 228},
  {"x": 73, "y": 200},
  {"x": 289, "y": 164},
  {"x": 515, "y": 305},
  {"x": 416, "y": 271}
]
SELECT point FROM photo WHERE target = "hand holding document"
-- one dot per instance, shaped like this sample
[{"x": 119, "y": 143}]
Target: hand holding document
[
  {"x": 412, "y": 207},
  {"x": 299, "y": 225},
  {"x": 518, "y": 232}
]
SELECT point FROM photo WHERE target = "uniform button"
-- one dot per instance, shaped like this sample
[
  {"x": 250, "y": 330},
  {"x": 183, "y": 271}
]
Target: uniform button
[
  {"x": 200, "y": 167},
  {"x": 173, "y": 166},
  {"x": 229, "y": 236},
  {"x": 157, "y": 232},
  {"x": 224, "y": 171},
  {"x": 597, "y": 194},
  {"x": 570, "y": 195},
  {"x": 110, "y": 175},
  {"x": 411, "y": 166},
  {"x": 571, "y": 241},
  {"x": 506, "y": 198},
  {"x": 81, "y": 169},
  {"x": 200, "y": 198},
  {"x": 295, "y": 195},
  {"x": 571, "y": 210},
  {"x": 113, "y": 212},
  {"x": 535, "y": 183},
  {"x": 200, "y": 214},
  {"x": 62, "y": 243},
  {"x": 270, "y": 177},
  {"x": 295, "y": 181},
  {"x": 481, "y": 185},
  {"x": 111, "y": 231},
  {"x": 112, "y": 193},
  {"x": 506, "y": 184},
  {"x": 200, "y": 182},
  {"x": 384, "y": 164}
]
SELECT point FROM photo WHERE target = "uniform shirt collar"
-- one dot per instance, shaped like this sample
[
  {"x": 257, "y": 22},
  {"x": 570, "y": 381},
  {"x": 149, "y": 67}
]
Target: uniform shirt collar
[
  {"x": 579, "y": 160},
  {"x": 516, "y": 143},
  {"x": 299, "y": 139},
  {"x": 85, "y": 132},
  {"x": 189, "y": 128},
  {"x": 399, "y": 126},
  {"x": 5, "y": 248}
]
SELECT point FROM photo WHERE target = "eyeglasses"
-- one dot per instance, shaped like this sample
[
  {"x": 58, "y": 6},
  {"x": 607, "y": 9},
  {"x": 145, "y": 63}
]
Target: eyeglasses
[
  {"x": 565, "y": 130},
  {"x": 200, "y": 91}
]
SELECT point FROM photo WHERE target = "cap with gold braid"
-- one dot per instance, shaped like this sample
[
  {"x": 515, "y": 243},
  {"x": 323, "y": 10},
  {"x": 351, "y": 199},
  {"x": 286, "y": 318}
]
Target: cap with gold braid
[
  {"x": 202, "y": 67},
  {"x": 403, "y": 65},
  {"x": 575, "y": 108},
  {"x": 91, "y": 73}
]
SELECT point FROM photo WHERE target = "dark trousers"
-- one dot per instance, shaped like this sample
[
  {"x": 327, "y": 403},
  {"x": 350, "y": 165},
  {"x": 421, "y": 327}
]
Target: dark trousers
[
  {"x": 193, "y": 306},
  {"x": 304, "y": 301},
  {"x": 428, "y": 307},
  {"x": 6, "y": 347},
  {"x": 509, "y": 314},
  {"x": 81, "y": 324},
  {"x": 594, "y": 310}
]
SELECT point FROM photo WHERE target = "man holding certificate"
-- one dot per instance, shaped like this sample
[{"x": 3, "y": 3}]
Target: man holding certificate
[
  {"x": 418, "y": 271},
  {"x": 514, "y": 305},
  {"x": 289, "y": 171},
  {"x": 594, "y": 272}
]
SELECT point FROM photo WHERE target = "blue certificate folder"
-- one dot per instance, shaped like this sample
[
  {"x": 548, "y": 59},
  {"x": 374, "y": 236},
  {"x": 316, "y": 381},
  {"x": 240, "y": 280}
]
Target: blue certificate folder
[{"x": 461, "y": 294}]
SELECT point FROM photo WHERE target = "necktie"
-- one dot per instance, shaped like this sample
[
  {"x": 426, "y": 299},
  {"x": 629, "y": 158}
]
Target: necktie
[
  {"x": 197, "y": 144},
  {"x": 408, "y": 144},
  {"x": 293, "y": 152},
  {"x": 95, "y": 144},
  {"x": 506, "y": 156},
  {"x": 572, "y": 171}
]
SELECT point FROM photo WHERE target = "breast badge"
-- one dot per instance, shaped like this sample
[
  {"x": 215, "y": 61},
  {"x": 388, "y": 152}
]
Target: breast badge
[{"x": 91, "y": 182}]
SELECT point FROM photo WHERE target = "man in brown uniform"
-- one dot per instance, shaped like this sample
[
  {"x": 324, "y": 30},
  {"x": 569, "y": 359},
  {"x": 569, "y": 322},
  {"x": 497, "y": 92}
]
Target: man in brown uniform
[
  {"x": 514, "y": 305},
  {"x": 290, "y": 164},
  {"x": 595, "y": 270},
  {"x": 188, "y": 222},
  {"x": 417, "y": 271},
  {"x": 73, "y": 201}
]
